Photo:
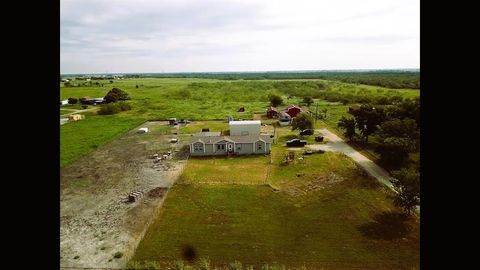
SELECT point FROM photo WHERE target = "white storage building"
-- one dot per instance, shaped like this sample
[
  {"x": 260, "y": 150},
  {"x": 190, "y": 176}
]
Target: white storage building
[{"x": 242, "y": 128}]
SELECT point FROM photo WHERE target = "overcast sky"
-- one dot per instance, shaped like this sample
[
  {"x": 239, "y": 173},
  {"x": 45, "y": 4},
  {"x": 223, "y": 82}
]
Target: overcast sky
[{"x": 98, "y": 36}]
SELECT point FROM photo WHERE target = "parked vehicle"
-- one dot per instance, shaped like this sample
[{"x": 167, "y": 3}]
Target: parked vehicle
[
  {"x": 306, "y": 132},
  {"x": 173, "y": 140},
  {"x": 319, "y": 138},
  {"x": 308, "y": 152},
  {"x": 296, "y": 142}
]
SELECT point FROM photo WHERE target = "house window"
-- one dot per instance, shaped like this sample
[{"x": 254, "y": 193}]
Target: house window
[
  {"x": 198, "y": 147},
  {"x": 239, "y": 147},
  {"x": 259, "y": 146},
  {"x": 220, "y": 146}
]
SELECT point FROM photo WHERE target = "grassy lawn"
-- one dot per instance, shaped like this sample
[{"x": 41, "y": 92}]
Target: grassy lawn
[
  {"x": 348, "y": 223},
  {"x": 80, "y": 138},
  {"x": 197, "y": 126},
  {"x": 221, "y": 170},
  {"x": 65, "y": 111}
]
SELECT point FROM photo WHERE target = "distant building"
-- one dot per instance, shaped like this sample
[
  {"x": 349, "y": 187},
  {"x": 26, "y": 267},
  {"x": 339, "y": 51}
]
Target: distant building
[
  {"x": 75, "y": 117},
  {"x": 284, "y": 118},
  {"x": 293, "y": 110},
  {"x": 272, "y": 112},
  {"x": 92, "y": 101}
]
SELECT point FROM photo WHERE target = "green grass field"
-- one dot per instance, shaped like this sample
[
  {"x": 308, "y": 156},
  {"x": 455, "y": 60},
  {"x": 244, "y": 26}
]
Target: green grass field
[
  {"x": 350, "y": 224},
  {"x": 80, "y": 138},
  {"x": 193, "y": 99}
]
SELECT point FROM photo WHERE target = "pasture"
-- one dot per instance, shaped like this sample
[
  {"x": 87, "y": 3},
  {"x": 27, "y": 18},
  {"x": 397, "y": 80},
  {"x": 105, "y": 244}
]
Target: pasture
[
  {"x": 324, "y": 213},
  {"x": 200, "y": 99}
]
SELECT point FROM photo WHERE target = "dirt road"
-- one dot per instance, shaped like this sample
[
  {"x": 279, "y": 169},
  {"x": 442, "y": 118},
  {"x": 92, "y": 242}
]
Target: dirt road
[
  {"x": 64, "y": 117},
  {"x": 95, "y": 220},
  {"x": 336, "y": 144}
]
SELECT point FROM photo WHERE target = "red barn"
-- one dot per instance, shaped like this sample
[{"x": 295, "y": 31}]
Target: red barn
[
  {"x": 293, "y": 110},
  {"x": 272, "y": 112}
]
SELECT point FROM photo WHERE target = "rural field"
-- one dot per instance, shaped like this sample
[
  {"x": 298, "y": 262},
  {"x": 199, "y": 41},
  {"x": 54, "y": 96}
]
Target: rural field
[
  {"x": 319, "y": 212},
  {"x": 322, "y": 212},
  {"x": 201, "y": 99}
]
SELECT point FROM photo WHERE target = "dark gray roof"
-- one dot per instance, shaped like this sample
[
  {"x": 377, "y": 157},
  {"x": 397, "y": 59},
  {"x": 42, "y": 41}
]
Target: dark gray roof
[
  {"x": 208, "y": 133},
  {"x": 236, "y": 139}
]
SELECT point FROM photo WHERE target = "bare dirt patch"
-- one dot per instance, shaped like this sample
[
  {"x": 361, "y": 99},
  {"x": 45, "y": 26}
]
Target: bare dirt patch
[{"x": 95, "y": 220}]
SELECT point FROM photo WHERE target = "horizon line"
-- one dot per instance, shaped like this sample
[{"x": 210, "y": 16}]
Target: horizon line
[{"x": 257, "y": 71}]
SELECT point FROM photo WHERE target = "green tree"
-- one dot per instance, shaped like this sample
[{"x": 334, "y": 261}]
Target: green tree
[
  {"x": 397, "y": 138},
  {"x": 275, "y": 100},
  {"x": 308, "y": 101},
  {"x": 394, "y": 151},
  {"x": 407, "y": 184},
  {"x": 72, "y": 101},
  {"x": 116, "y": 94},
  {"x": 302, "y": 121},
  {"x": 400, "y": 128},
  {"x": 368, "y": 119},
  {"x": 348, "y": 124}
]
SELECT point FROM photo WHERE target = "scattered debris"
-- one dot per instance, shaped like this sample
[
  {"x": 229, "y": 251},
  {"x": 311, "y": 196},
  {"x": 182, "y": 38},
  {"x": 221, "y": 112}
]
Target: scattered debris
[
  {"x": 142, "y": 130},
  {"x": 135, "y": 196},
  {"x": 334, "y": 178}
]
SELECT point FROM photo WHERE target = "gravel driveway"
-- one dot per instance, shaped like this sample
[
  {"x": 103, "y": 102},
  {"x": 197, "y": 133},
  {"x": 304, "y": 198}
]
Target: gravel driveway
[{"x": 336, "y": 144}]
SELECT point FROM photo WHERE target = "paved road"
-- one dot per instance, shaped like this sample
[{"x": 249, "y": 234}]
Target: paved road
[{"x": 336, "y": 144}]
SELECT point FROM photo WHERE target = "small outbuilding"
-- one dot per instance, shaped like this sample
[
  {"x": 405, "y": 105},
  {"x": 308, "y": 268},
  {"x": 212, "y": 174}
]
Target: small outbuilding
[
  {"x": 75, "y": 117},
  {"x": 293, "y": 110},
  {"x": 272, "y": 112}
]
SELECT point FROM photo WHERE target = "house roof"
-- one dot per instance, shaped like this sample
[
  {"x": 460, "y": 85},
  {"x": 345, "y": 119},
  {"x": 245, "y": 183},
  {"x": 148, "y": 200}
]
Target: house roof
[
  {"x": 272, "y": 109},
  {"x": 208, "y": 133},
  {"x": 248, "y": 122},
  {"x": 293, "y": 106},
  {"x": 237, "y": 139},
  {"x": 284, "y": 114}
]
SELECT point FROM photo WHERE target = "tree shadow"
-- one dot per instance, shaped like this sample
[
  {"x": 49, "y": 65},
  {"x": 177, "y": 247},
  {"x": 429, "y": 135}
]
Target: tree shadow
[{"x": 386, "y": 226}]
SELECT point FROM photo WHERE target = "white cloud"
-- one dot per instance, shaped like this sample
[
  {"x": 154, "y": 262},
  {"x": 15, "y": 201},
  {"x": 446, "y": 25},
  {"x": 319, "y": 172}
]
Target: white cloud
[{"x": 214, "y": 35}]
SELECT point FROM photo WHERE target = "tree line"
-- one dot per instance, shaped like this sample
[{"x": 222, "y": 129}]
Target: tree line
[{"x": 397, "y": 129}]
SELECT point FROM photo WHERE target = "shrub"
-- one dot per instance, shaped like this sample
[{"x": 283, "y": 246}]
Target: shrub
[
  {"x": 275, "y": 100},
  {"x": 113, "y": 108},
  {"x": 118, "y": 255},
  {"x": 236, "y": 265},
  {"x": 72, "y": 101},
  {"x": 179, "y": 265},
  {"x": 204, "y": 264}
]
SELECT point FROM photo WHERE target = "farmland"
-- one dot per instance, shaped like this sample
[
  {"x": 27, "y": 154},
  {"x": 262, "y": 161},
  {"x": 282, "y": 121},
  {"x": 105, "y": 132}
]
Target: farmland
[
  {"x": 202, "y": 99},
  {"x": 331, "y": 216},
  {"x": 322, "y": 211}
]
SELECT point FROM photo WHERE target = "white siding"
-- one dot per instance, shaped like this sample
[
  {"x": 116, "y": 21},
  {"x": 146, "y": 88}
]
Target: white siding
[{"x": 242, "y": 129}]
